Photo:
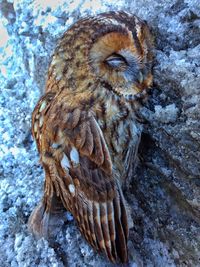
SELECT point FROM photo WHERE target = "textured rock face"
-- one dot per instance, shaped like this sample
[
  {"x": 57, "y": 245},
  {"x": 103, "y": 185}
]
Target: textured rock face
[{"x": 165, "y": 191}]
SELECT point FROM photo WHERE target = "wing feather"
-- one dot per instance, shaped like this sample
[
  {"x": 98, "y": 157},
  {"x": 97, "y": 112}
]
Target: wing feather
[
  {"x": 105, "y": 230},
  {"x": 91, "y": 224},
  {"x": 87, "y": 224},
  {"x": 112, "y": 230},
  {"x": 74, "y": 149},
  {"x": 98, "y": 229},
  {"x": 88, "y": 146},
  {"x": 120, "y": 237}
]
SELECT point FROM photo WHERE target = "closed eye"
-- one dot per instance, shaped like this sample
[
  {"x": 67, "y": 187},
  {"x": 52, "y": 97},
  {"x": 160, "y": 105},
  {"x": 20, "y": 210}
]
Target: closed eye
[{"x": 116, "y": 61}]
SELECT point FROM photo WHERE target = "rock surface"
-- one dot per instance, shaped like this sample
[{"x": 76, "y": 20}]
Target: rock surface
[{"x": 165, "y": 191}]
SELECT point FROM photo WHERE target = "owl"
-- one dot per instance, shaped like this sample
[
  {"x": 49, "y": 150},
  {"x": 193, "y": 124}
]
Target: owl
[{"x": 87, "y": 130}]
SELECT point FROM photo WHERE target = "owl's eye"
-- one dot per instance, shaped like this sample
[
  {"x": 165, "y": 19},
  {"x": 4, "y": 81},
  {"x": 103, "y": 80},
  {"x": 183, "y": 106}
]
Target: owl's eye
[{"x": 116, "y": 61}]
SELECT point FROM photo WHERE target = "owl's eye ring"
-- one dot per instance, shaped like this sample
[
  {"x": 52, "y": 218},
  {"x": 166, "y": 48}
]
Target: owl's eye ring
[{"x": 116, "y": 61}]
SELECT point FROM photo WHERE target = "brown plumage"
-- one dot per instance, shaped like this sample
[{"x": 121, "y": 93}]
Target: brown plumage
[{"x": 86, "y": 129}]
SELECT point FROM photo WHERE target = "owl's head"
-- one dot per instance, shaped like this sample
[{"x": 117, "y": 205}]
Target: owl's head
[
  {"x": 122, "y": 56},
  {"x": 111, "y": 50}
]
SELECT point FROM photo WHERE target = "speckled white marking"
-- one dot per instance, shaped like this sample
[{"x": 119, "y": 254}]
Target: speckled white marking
[
  {"x": 43, "y": 106},
  {"x": 71, "y": 189},
  {"x": 74, "y": 155},
  {"x": 37, "y": 116},
  {"x": 65, "y": 162},
  {"x": 35, "y": 127},
  {"x": 41, "y": 120},
  {"x": 55, "y": 145}
]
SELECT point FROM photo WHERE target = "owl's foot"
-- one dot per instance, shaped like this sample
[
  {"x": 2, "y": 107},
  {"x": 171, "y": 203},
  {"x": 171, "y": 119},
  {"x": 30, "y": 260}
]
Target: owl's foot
[{"x": 47, "y": 224}]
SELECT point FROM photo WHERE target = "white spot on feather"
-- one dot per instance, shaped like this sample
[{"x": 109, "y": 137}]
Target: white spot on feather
[
  {"x": 55, "y": 146},
  {"x": 71, "y": 189},
  {"x": 74, "y": 155},
  {"x": 37, "y": 116},
  {"x": 65, "y": 162},
  {"x": 35, "y": 127},
  {"x": 43, "y": 106},
  {"x": 41, "y": 121}
]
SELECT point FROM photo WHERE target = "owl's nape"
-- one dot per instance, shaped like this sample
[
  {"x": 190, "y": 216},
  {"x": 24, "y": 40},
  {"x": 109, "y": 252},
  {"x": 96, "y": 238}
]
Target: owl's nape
[{"x": 85, "y": 128}]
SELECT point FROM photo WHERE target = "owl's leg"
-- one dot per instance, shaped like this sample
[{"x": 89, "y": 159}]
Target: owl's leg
[{"x": 47, "y": 218}]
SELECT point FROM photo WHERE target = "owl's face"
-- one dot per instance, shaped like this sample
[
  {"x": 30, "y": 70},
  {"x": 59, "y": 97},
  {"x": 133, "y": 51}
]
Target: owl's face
[
  {"x": 117, "y": 62},
  {"x": 112, "y": 51}
]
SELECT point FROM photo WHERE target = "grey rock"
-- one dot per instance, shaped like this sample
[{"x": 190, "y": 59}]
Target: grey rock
[{"x": 165, "y": 191}]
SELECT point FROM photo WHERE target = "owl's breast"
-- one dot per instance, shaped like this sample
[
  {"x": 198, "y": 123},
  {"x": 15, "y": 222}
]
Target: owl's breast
[{"x": 122, "y": 135}]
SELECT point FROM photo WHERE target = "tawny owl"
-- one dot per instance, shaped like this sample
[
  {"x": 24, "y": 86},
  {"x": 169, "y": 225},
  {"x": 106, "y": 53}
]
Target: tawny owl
[{"x": 86, "y": 128}]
